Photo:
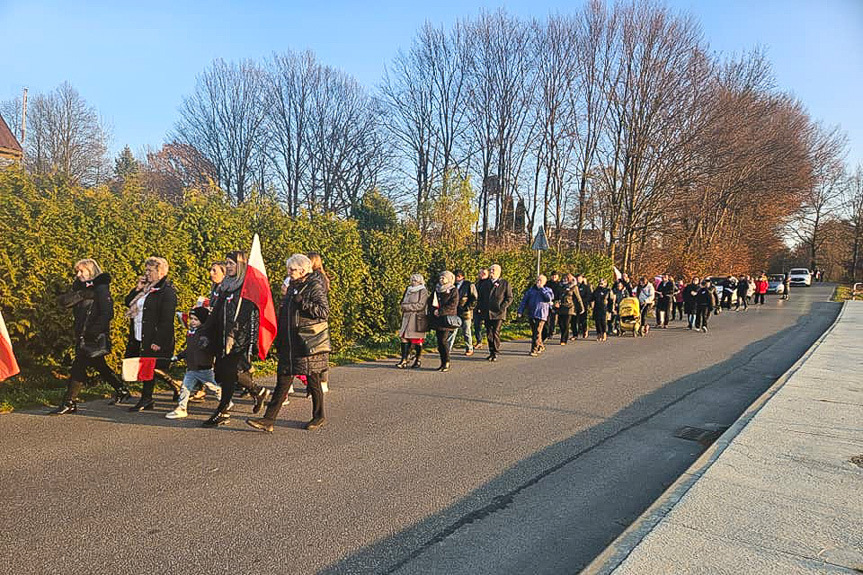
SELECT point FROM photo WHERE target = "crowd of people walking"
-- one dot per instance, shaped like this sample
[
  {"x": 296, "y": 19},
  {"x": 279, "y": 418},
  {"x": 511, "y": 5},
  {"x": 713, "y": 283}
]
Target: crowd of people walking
[{"x": 223, "y": 327}]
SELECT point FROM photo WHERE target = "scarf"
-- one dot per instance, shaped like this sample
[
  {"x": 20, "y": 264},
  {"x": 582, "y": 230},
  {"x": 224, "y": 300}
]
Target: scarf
[{"x": 415, "y": 289}]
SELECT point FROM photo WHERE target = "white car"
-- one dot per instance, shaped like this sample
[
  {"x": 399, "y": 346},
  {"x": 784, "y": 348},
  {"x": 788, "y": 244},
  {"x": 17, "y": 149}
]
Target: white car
[{"x": 800, "y": 277}]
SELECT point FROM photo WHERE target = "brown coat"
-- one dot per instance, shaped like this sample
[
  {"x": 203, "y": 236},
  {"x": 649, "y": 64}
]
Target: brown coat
[{"x": 414, "y": 318}]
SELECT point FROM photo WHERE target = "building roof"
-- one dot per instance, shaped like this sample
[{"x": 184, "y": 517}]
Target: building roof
[{"x": 7, "y": 138}]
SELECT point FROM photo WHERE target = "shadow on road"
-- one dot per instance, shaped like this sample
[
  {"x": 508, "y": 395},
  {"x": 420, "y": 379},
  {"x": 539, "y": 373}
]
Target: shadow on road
[{"x": 751, "y": 364}]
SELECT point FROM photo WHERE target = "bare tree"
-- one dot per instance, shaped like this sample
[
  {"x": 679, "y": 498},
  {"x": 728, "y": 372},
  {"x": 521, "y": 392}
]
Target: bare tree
[
  {"x": 853, "y": 207},
  {"x": 224, "y": 118},
  {"x": 66, "y": 136},
  {"x": 826, "y": 155}
]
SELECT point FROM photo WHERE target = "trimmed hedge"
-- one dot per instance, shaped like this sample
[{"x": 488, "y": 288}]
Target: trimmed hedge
[{"x": 47, "y": 225}]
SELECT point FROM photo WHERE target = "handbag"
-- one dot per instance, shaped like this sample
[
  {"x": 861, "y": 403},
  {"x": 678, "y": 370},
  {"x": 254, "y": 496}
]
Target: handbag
[
  {"x": 315, "y": 337},
  {"x": 453, "y": 321},
  {"x": 96, "y": 347}
]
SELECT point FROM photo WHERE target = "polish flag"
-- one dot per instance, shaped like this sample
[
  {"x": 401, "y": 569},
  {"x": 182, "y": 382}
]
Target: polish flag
[
  {"x": 256, "y": 289},
  {"x": 139, "y": 368},
  {"x": 8, "y": 364}
]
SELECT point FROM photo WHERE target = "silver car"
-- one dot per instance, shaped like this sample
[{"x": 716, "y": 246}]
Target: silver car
[{"x": 776, "y": 284}]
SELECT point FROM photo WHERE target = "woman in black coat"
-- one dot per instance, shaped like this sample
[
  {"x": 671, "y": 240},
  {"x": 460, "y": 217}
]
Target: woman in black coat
[
  {"x": 302, "y": 341},
  {"x": 93, "y": 309},
  {"x": 151, "y": 311},
  {"x": 602, "y": 304},
  {"x": 690, "y": 306},
  {"x": 231, "y": 334},
  {"x": 443, "y": 304}
]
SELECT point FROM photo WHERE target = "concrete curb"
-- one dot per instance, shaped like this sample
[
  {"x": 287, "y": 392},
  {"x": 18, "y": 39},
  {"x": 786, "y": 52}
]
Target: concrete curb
[{"x": 619, "y": 549}]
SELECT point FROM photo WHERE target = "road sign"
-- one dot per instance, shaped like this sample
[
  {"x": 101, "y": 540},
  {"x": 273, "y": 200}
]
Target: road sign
[{"x": 540, "y": 242}]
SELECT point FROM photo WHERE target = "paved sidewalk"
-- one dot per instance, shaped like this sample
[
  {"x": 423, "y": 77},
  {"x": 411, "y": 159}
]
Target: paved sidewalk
[{"x": 780, "y": 492}]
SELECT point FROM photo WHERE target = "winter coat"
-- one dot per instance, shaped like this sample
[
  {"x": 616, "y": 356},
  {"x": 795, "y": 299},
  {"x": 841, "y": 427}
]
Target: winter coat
[
  {"x": 536, "y": 302},
  {"x": 707, "y": 297},
  {"x": 414, "y": 314},
  {"x": 586, "y": 293},
  {"x": 666, "y": 292},
  {"x": 646, "y": 294},
  {"x": 690, "y": 292},
  {"x": 618, "y": 296},
  {"x": 466, "y": 300},
  {"x": 197, "y": 356},
  {"x": 157, "y": 323},
  {"x": 602, "y": 302},
  {"x": 761, "y": 286},
  {"x": 447, "y": 302},
  {"x": 742, "y": 288},
  {"x": 92, "y": 307},
  {"x": 305, "y": 304},
  {"x": 228, "y": 333},
  {"x": 570, "y": 300},
  {"x": 494, "y": 298}
]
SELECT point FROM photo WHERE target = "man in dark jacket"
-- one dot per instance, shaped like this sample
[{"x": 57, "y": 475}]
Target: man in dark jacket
[
  {"x": 495, "y": 295},
  {"x": 466, "y": 303},
  {"x": 481, "y": 278},
  {"x": 690, "y": 305},
  {"x": 742, "y": 292},
  {"x": 706, "y": 300}
]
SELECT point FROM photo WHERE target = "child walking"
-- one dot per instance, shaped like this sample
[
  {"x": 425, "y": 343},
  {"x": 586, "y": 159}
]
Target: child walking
[{"x": 199, "y": 364}]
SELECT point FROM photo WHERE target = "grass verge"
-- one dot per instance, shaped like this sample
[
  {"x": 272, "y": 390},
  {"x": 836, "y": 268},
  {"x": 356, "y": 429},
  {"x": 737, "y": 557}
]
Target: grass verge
[{"x": 39, "y": 386}]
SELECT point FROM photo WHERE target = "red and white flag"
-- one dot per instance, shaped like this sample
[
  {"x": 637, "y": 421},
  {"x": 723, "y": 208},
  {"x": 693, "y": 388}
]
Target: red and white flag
[
  {"x": 139, "y": 368},
  {"x": 256, "y": 289},
  {"x": 617, "y": 274},
  {"x": 8, "y": 364}
]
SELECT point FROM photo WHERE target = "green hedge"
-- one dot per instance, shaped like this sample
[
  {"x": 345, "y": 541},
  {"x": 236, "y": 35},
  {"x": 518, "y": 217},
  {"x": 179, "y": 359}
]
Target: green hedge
[{"x": 47, "y": 225}]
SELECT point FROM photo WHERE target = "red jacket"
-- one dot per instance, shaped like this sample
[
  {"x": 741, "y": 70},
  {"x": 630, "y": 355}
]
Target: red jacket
[{"x": 760, "y": 286}]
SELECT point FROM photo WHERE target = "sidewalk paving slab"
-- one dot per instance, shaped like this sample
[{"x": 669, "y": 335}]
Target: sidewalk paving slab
[{"x": 778, "y": 493}]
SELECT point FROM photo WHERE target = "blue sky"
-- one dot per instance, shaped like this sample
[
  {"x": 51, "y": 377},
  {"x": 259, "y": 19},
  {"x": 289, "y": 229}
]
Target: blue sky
[{"x": 135, "y": 61}]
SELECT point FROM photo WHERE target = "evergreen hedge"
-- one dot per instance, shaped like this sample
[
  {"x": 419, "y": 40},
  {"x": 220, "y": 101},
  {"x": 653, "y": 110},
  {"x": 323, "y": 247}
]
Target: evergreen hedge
[{"x": 47, "y": 225}]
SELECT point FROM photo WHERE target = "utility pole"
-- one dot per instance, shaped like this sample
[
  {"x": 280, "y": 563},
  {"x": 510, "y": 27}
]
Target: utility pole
[{"x": 24, "y": 117}]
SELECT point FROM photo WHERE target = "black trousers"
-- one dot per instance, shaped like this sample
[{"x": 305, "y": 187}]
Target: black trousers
[
  {"x": 442, "y": 347},
  {"x": 702, "y": 316},
  {"x": 600, "y": 321},
  {"x": 548, "y": 328},
  {"x": 677, "y": 310},
  {"x": 663, "y": 311},
  {"x": 80, "y": 365},
  {"x": 582, "y": 323},
  {"x": 492, "y": 330},
  {"x": 563, "y": 323},
  {"x": 759, "y": 298},
  {"x": 228, "y": 375},
  {"x": 741, "y": 299},
  {"x": 536, "y": 327},
  {"x": 283, "y": 386}
]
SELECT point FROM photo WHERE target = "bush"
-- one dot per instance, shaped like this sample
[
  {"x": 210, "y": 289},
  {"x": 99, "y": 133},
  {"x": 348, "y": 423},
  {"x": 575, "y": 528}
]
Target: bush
[{"x": 48, "y": 225}]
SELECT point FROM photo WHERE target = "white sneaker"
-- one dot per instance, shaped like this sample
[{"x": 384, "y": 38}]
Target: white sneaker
[
  {"x": 178, "y": 413},
  {"x": 325, "y": 387}
]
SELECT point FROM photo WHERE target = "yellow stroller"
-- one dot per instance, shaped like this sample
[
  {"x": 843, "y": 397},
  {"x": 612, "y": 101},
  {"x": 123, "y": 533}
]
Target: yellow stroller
[{"x": 629, "y": 313}]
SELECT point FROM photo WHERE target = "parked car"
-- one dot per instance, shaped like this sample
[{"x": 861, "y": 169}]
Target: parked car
[
  {"x": 776, "y": 284},
  {"x": 800, "y": 277}
]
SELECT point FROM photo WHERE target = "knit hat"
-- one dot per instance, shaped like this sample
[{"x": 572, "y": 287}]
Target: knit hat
[{"x": 201, "y": 313}]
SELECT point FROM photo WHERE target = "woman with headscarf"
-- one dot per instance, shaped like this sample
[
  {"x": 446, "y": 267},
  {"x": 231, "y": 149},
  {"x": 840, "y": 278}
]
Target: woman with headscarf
[
  {"x": 414, "y": 326},
  {"x": 302, "y": 341},
  {"x": 443, "y": 311},
  {"x": 152, "y": 305},
  {"x": 231, "y": 333},
  {"x": 93, "y": 309}
]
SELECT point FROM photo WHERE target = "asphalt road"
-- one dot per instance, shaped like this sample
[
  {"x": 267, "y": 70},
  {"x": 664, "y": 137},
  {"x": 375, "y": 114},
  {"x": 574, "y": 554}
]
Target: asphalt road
[{"x": 526, "y": 465}]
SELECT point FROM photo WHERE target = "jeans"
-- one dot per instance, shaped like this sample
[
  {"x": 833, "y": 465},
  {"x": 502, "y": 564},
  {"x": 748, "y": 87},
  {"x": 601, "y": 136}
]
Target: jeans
[
  {"x": 206, "y": 377},
  {"x": 466, "y": 330}
]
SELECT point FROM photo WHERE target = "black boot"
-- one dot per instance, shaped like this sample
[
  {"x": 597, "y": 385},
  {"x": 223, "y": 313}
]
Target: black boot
[
  {"x": 277, "y": 398},
  {"x": 121, "y": 395},
  {"x": 218, "y": 418},
  {"x": 260, "y": 396},
  {"x": 318, "y": 418},
  {"x": 146, "y": 401},
  {"x": 419, "y": 351},
  {"x": 69, "y": 404},
  {"x": 405, "y": 349},
  {"x": 444, "y": 366}
]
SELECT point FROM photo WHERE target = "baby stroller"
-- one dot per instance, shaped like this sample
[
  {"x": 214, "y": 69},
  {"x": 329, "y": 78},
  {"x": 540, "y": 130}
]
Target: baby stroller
[{"x": 630, "y": 316}]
